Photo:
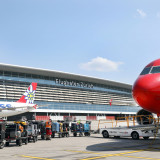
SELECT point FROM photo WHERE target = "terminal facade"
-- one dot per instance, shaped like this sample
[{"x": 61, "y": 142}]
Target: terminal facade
[{"x": 62, "y": 94}]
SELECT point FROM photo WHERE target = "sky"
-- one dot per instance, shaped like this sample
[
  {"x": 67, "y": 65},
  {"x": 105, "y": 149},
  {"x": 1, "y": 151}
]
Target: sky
[{"x": 107, "y": 39}]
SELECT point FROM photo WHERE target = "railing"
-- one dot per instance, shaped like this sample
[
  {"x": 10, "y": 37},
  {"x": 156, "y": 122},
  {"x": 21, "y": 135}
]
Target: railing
[{"x": 129, "y": 120}]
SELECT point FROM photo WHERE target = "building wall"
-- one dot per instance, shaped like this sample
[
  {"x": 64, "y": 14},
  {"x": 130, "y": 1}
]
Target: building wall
[{"x": 58, "y": 94}]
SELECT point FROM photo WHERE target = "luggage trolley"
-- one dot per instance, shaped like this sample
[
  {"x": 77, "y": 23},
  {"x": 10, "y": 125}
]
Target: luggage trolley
[
  {"x": 43, "y": 130},
  {"x": 87, "y": 129},
  {"x": 14, "y": 133},
  {"x": 61, "y": 128},
  {"x": 77, "y": 128},
  {"x": 65, "y": 129},
  {"x": 32, "y": 132},
  {"x": 56, "y": 129},
  {"x": 24, "y": 130}
]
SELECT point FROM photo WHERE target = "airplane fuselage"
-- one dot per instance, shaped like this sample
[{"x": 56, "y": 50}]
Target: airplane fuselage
[
  {"x": 14, "y": 108},
  {"x": 24, "y": 104},
  {"x": 146, "y": 89}
]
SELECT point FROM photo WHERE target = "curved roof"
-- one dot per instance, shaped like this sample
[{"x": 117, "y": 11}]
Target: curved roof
[{"x": 58, "y": 74}]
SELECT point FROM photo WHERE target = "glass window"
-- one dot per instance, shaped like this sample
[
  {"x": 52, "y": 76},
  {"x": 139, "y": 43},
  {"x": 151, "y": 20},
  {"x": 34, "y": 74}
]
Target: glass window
[
  {"x": 14, "y": 74},
  {"x": 41, "y": 77},
  {"x": 28, "y": 76},
  {"x": 1, "y": 73},
  {"x": 35, "y": 76},
  {"x": 146, "y": 71},
  {"x": 22, "y": 75},
  {"x": 46, "y": 77},
  {"x": 155, "y": 69},
  {"x": 7, "y": 73},
  {"x": 51, "y": 78}
]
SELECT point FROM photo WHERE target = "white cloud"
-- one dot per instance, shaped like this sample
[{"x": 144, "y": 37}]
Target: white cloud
[
  {"x": 141, "y": 13},
  {"x": 101, "y": 65}
]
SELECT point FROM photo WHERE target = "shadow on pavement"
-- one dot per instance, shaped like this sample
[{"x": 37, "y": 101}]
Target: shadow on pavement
[{"x": 113, "y": 144}]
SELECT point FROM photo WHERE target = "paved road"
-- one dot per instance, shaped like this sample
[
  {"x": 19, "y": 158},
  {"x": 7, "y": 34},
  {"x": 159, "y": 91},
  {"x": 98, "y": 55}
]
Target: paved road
[{"x": 84, "y": 148}]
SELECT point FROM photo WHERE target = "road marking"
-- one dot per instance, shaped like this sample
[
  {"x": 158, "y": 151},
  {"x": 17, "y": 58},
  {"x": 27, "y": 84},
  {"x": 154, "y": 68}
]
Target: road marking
[
  {"x": 35, "y": 157},
  {"x": 140, "y": 150},
  {"x": 108, "y": 155},
  {"x": 97, "y": 157},
  {"x": 141, "y": 157},
  {"x": 103, "y": 155},
  {"x": 84, "y": 152}
]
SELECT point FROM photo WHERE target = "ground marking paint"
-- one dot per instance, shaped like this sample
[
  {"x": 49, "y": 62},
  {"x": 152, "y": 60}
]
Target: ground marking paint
[
  {"x": 84, "y": 152},
  {"x": 107, "y": 155},
  {"x": 141, "y": 157},
  {"x": 36, "y": 157}
]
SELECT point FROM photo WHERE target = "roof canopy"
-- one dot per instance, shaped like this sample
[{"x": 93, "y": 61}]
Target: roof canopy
[{"x": 58, "y": 74}]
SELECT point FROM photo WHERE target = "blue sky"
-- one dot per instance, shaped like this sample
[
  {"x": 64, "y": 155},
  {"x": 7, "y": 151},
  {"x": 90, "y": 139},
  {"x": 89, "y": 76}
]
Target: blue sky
[{"x": 108, "y": 39}]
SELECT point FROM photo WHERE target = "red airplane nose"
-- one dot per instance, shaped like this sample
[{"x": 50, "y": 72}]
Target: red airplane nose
[{"x": 146, "y": 93}]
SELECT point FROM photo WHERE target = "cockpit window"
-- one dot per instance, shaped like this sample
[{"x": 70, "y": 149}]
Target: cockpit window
[
  {"x": 155, "y": 69},
  {"x": 146, "y": 71}
]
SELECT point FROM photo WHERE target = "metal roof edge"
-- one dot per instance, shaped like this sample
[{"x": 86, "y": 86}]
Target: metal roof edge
[{"x": 61, "y": 74}]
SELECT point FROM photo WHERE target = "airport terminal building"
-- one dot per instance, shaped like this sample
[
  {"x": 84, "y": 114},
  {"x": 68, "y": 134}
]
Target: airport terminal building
[{"x": 63, "y": 94}]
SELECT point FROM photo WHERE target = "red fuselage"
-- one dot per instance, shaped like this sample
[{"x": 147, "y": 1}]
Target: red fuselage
[{"x": 146, "y": 89}]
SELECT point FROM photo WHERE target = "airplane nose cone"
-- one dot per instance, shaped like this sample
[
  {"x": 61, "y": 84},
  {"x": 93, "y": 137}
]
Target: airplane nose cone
[
  {"x": 145, "y": 93},
  {"x": 140, "y": 93}
]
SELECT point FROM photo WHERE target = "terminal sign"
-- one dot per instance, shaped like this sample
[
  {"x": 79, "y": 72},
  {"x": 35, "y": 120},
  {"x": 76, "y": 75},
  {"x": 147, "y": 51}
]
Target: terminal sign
[{"x": 73, "y": 83}]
